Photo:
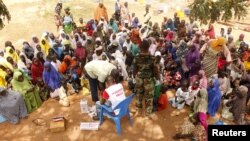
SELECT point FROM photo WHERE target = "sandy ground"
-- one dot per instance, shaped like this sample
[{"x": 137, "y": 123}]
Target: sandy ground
[
  {"x": 32, "y": 17},
  {"x": 142, "y": 129}
]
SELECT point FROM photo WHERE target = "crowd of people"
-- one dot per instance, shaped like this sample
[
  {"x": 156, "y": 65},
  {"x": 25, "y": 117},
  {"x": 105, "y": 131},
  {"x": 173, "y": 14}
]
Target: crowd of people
[{"x": 210, "y": 71}]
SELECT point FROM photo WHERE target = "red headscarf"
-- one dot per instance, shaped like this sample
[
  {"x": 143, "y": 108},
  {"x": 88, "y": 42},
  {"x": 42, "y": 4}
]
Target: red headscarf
[
  {"x": 135, "y": 36},
  {"x": 170, "y": 36},
  {"x": 36, "y": 69}
]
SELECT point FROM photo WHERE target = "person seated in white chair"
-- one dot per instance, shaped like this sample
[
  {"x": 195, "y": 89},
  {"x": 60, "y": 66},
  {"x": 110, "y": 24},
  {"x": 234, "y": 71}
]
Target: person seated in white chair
[{"x": 111, "y": 96}]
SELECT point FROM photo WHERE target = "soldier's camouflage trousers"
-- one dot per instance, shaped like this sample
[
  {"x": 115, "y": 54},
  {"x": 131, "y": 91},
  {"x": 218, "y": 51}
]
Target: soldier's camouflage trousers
[{"x": 144, "y": 89}]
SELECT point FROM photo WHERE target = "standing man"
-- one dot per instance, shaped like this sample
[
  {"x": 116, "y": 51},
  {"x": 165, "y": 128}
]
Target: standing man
[
  {"x": 117, "y": 6},
  {"x": 147, "y": 15},
  {"x": 97, "y": 71},
  {"x": 125, "y": 15},
  {"x": 101, "y": 11},
  {"x": 144, "y": 72}
]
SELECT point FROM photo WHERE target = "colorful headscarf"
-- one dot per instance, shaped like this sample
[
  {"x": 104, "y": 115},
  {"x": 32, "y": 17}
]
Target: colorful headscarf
[
  {"x": 13, "y": 55},
  {"x": 36, "y": 69},
  {"x": 218, "y": 44},
  {"x": 214, "y": 97},
  {"x": 63, "y": 67},
  {"x": 21, "y": 87},
  {"x": 51, "y": 77},
  {"x": 45, "y": 47}
]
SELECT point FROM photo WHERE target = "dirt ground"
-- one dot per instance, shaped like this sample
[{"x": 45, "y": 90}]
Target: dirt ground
[
  {"x": 33, "y": 17},
  {"x": 142, "y": 129}
]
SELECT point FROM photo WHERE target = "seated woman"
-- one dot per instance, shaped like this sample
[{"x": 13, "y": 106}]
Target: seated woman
[
  {"x": 22, "y": 84},
  {"x": 36, "y": 70},
  {"x": 12, "y": 106},
  {"x": 214, "y": 97},
  {"x": 53, "y": 81},
  {"x": 71, "y": 72},
  {"x": 12, "y": 62},
  {"x": 181, "y": 96},
  {"x": 43, "y": 90},
  {"x": 9, "y": 52},
  {"x": 27, "y": 62},
  {"x": 6, "y": 73}
]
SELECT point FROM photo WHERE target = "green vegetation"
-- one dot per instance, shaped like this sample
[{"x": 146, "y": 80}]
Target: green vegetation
[
  {"x": 213, "y": 10},
  {"x": 4, "y": 14}
]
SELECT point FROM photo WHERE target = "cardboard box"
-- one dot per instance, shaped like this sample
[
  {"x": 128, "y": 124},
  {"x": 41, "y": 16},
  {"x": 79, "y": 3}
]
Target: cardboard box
[{"x": 57, "y": 124}]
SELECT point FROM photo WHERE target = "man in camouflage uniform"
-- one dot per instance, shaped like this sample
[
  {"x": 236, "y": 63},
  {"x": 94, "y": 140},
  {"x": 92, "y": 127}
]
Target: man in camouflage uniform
[{"x": 145, "y": 71}]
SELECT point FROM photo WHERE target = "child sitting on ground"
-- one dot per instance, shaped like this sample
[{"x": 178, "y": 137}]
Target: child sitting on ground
[
  {"x": 181, "y": 96},
  {"x": 162, "y": 100},
  {"x": 43, "y": 90}
]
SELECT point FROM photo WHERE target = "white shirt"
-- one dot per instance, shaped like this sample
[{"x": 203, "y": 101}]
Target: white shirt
[
  {"x": 116, "y": 95},
  {"x": 128, "y": 45},
  {"x": 99, "y": 69}
]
